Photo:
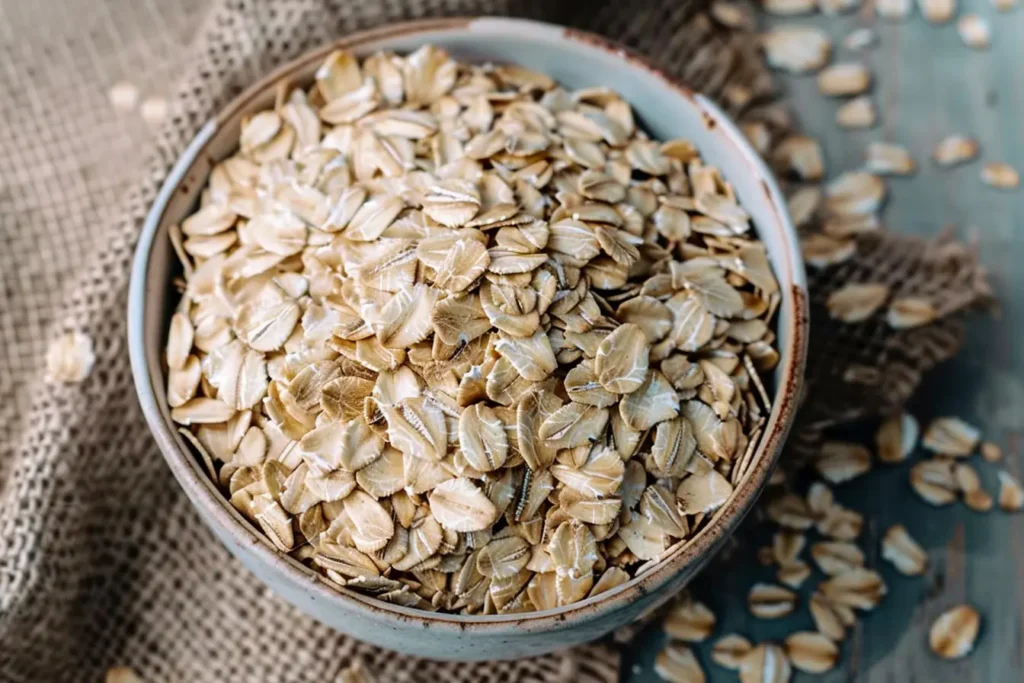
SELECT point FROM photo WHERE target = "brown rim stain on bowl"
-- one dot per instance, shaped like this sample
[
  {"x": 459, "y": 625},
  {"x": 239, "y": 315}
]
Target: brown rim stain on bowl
[{"x": 672, "y": 571}]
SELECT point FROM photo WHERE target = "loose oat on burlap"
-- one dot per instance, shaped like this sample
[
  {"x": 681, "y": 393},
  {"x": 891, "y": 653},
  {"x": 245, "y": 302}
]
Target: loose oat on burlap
[{"x": 102, "y": 560}]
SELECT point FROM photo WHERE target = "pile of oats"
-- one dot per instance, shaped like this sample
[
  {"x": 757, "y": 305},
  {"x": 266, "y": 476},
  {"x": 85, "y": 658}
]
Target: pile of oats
[
  {"x": 464, "y": 340},
  {"x": 848, "y": 585}
]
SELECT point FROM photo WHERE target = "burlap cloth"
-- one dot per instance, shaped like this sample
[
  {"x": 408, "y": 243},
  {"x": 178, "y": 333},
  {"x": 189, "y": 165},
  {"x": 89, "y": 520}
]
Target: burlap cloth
[{"x": 102, "y": 560}]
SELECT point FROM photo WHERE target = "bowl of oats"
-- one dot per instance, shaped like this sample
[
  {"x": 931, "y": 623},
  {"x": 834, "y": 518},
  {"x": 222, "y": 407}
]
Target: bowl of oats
[{"x": 472, "y": 338}]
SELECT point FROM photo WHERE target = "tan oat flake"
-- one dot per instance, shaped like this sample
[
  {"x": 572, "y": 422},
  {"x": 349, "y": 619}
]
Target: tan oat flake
[
  {"x": 951, "y": 436},
  {"x": 766, "y": 663},
  {"x": 677, "y": 664},
  {"x": 690, "y": 620},
  {"x": 767, "y": 601},
  {"x": 154, "y": 110},
  {"x": 464, "y": 340},
  {"x": 826, "y": 620},
  {"x": 121, "y": 674},
  {"x": 1011, "y": 494},
  {"x": 934, "y": 482},
  {"x": 854, "y": 193},
  {"x": 856, "y": 302},
  {"x": 899, "y": 548},
  {"x": 811, "y": 652},
  {"x": 974, "y": 31},
  {"x": 859, "y": 39},
  {"x": 937, "y": 11},
  {"x": 910, "y": 311},
  {"x": 955, "y": 149},
  {"x": 991, "y": 452},
  {"x": 953, "y": 633},
  {"x": 841, "y": 461},
  {"x": 798, "y": 49},
  {"x": 896, "y": 438},
  {"x": 70, "y": 358},
  {"x": 729, "y": 651},
  {"x": 800, "y": 155},
  {"x": 123, "y": 96},
  {"x": 844, "y": 79},
  {"x": 786, "y": 8},
  {"x": 888, "y": 159},
  {"x": 859, "y": 112},
  {"x": 1000, "y": 175}
]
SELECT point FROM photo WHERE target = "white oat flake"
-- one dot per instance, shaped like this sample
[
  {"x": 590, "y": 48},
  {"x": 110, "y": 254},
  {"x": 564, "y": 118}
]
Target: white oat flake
[{"x": 70, "y": 358}]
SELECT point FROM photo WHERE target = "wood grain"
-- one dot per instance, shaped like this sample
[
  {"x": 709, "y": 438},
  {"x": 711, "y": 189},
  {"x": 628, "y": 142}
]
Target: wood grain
[{"x": 928, "y": 85}]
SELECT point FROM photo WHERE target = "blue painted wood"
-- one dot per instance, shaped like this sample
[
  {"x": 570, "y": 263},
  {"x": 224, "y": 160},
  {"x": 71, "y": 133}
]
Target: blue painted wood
[{"x": 927, "y": 85}]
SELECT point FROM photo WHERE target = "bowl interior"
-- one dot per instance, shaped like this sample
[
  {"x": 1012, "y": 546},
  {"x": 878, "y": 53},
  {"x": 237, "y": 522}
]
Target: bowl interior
[{"x": 666, "y": 110}]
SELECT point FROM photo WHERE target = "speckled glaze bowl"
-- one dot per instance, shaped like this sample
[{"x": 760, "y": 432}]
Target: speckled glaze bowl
[{"x": 667, "y": 110}]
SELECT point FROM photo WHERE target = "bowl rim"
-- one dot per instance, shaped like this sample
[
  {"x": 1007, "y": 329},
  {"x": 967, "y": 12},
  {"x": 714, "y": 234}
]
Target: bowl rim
[{"x": 215, "y": 509}]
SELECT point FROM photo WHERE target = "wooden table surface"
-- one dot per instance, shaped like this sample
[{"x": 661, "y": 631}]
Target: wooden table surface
[{"x": 928, "y": 84}]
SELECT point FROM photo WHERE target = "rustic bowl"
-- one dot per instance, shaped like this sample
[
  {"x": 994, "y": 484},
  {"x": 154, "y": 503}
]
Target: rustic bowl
[{"x": 667, "y": 110}]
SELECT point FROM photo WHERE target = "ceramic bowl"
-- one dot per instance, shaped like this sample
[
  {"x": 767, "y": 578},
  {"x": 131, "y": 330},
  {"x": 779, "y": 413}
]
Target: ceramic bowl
[{"x": 667, "y": 110}]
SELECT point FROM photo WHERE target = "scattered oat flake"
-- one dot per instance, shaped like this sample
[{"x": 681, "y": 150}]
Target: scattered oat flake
[
  {"x": 934, "y": 482},
  {"x": 899, "y": 548},
  {"x": 951, "y": 436},
  {"x": 690, "y": 620},
  {"x": 854, "y": 193},
  {"x": 803, "y": 204},
  {"x": 826, "y": 620},
  {"x": 894, "y": 9},
  {"x": 732, "y": 14},
  {"x": 837, "y": 557},
  {"x": 123, "y": 96},
  {"x": 859, "y": 39},
  {"x": 822, "y": 251},
  {"x": 841, "y": 461},
  {"x": 896, "y": 438},
  {"x": 953, "y": 633},
  {"x": 677, "y": 664},
  {"x": 766, "y": 663},
  {"x": 856, "y": 302},
  {"x": 70, "y": 358},
  {"x": 154, "y": 110},
  {"x": 811, "y": 652},
  {"x": 121, "y": 674},
  {"x": 974, "y": 31},
  {"x": 788, "y": 8},
  {"x": 729, "y": 651},
  {"x": 857, "y": 113},
  {"x": 955, "y": 149},
  {"x": 857, "y": 589},
  {"x": 888, "y": 159},
  {"x": 797, "y": 49},
  {"x": 356, "y": 673},
  {"x": 801, "y": 156},
  {"x": 1000, "y": 175},
  {"x": 991, "y": 451},
  {"x": 767, "y": 601},
  {"x": 840, "y": 80},
  {"x": 910, "y": 311},
  {"x": 1011, "y": 494},
  {"x": 937, "y": 11},
  {"x": 1004, "y": 5},
  {"x": 793, "y": 574},
  {"x": 969, "y": 483}
]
